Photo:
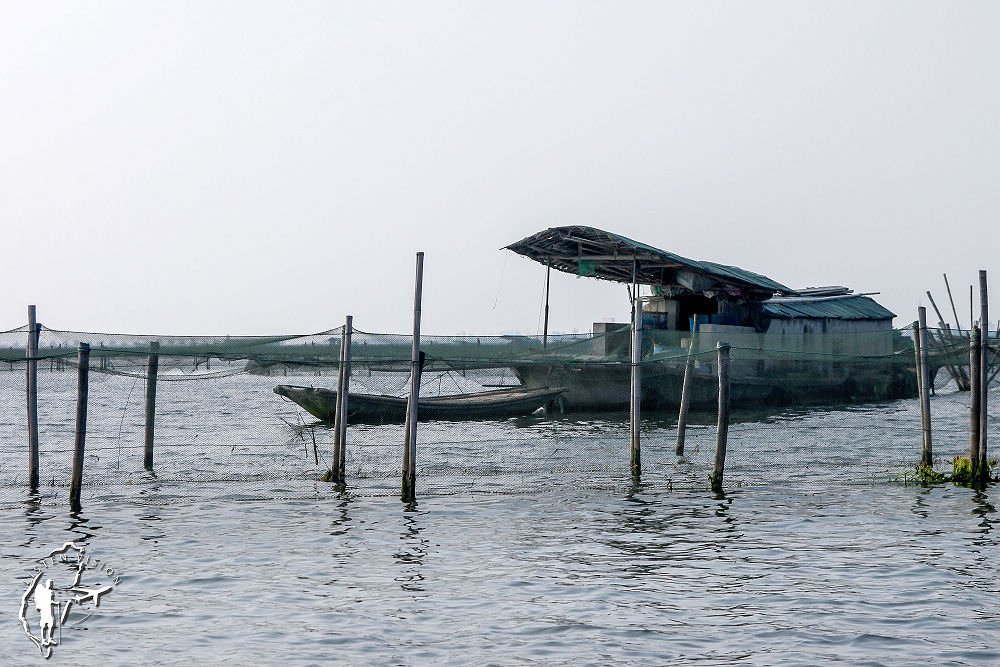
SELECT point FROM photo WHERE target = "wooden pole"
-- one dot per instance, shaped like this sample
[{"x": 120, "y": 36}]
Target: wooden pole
[
  {"x": 545, "y": 326},
  {"x": 984, "y": 318},
  {"x": 945, "y": 351},
  {"x": 926, "y": 451},
  {"x": 31, "y": 352},
  {"x": 685, "y": 396},
  {"x": 954, "y": 311},
  {"x": 340, "y": 474},
  {"x": 152, "y": 367},
  {"x": 409, "y": 494},
  {"x": 916, "y": 359},
  {"x": 83, "y": 368},
  {"x": 944, "y": 334},
  {"x": 975, "y": 377},
  {"x": 722, "y": 425},
  {"x": 338, "y": 407},
  {"x": 972, "y": 318},
  {"x": 635, "y": 390}
]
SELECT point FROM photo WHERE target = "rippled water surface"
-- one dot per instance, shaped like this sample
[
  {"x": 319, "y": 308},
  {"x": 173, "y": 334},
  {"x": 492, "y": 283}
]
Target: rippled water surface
[{"x": 797, "y": 563}]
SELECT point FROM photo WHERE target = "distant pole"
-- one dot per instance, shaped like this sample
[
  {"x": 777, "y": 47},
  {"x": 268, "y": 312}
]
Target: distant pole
[
  {"x": 83, "y": 368},
  {"x": 926, "y": 452},
  {"x": 972, "y": 318},
  {"x": 338, "y": 406},
  {"x": 722, "y": 425},
  {"x": 545, "y": 326},
  {"x": 685, "y": 396},
  {"x": 152, "y": 367},
  {"x": 984, "y": 318},
  {"x": 954, "y": 311},
  {"x": 947, "y": 348},
  {"x": 975, "y": 379},
  {"x": 340, "y": 474},
  {"x": 410, "y": 442},
  {"x": 31, "y": 353},
  {"x": 636, "y": 389}
]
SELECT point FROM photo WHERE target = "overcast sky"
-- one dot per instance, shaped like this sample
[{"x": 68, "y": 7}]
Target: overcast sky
[{"x": 246, "y": 167}]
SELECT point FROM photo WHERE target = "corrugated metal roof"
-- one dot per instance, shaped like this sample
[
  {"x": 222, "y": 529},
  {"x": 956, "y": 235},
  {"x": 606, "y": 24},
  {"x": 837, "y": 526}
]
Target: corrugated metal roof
[
  {"x": 569, "y": 249},
  {"x": 849, "y": 307}
]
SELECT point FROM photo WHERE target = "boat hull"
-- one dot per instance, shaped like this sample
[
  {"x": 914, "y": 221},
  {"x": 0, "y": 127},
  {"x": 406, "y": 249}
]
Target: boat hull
[
  {"x": 377, "y": 409},
  {"x": 600, "y": 387}
]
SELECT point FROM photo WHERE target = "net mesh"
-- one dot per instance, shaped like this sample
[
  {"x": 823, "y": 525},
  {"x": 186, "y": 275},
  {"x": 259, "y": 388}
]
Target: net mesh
[{"x": 807, "y": 409}]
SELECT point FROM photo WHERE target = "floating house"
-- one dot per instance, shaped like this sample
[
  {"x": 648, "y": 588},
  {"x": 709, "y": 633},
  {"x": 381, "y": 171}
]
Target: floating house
[{"x": 786, "y": 341}]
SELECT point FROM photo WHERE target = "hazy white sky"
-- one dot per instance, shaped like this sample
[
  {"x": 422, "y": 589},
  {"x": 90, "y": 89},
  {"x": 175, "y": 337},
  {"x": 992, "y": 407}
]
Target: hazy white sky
[{"x": 248, "y": 167}]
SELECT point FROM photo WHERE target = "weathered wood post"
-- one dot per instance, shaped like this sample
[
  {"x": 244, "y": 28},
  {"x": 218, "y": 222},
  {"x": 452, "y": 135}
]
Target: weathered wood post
[
  {"x": 682, "y": 415},
  {"x": 722, "y": 425},
  {"x": 975, "y": 378},
  {"x": 31, "y": 352},
  {"x": 926, "y": 451},
  {"x": 83, "y": 368},
  {"x": 338, "y": 407},
  {"x": 340, "y": 474},
  {"x": 410, "y": 441},
  {"x": 152, "y": 368},
  {"x": 635, "y": 393},
  {"x": 984, "y": 382}
]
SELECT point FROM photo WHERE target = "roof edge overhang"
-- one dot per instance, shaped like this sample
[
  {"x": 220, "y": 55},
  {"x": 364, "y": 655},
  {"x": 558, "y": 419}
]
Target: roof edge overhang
[{"x": 592, "y": 252}]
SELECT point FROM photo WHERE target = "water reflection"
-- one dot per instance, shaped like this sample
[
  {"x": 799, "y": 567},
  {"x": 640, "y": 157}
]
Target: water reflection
[
  {"x": 82, "y": 528},
  {"x": 411, "y": 556},
  {"x": 984, "y": 509},
  {"x": 34, "y": 516},
  {"x": 340, "y": 522}
]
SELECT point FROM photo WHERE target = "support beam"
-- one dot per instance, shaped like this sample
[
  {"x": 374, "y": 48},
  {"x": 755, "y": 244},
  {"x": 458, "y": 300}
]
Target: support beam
[{"x": 545, "y": 327}]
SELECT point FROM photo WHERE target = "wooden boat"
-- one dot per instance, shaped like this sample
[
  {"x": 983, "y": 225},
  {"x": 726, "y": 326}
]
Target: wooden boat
[{"x": 378, "y": 409}]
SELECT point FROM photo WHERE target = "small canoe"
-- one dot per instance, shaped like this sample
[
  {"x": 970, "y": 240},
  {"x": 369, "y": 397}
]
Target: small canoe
[{"x": 377, "y": 409}]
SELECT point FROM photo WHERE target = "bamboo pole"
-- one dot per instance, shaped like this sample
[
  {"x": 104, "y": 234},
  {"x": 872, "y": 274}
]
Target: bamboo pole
[
  {"x": 338, "y": 406},
  {"x": 83, "y": 368},
  {"x": 926, "y": 451},
  {"x": 984, "y": 318},
  {"x": 916, "y": 359},
  {"x": 976, "y": 376},
  {"x": 685, "y": 396},
  {"x": 31, "y": 352},
  {"x": 945, "y": 333},
  {"x": 410, "y": 442},
  {"x": 340, "y": 474},
  {"x": 954, "y": 311},
  {"x": 152, "y": 367},
  {"x": 635, "y": 393},
  {"x": 722, "y": 425}
]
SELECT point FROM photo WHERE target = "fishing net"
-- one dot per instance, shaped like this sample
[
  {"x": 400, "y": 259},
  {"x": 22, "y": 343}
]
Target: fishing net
[{"x": 815, "y": 408}]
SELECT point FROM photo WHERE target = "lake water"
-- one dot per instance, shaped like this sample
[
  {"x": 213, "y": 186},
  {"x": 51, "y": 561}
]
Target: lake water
[{"x": 529, "y": 544}]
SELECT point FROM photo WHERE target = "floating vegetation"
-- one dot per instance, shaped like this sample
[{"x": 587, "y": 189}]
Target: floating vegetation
[{"x": 962, "y": 473}]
